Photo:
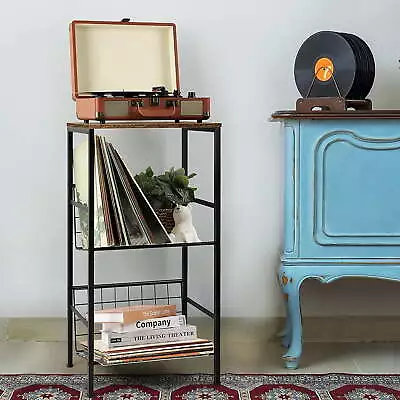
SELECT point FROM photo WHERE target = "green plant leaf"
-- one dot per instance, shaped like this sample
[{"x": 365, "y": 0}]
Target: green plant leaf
[
  {"x": 149, "y": 172},
  {"x": 180, "y": 171},
  {"x": 166, "y": 189},
  {"x": 181, "y": 181}
]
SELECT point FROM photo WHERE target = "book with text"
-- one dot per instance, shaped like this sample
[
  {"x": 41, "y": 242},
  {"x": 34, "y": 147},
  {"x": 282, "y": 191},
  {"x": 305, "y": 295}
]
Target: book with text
[
  {"x": 179, "y": 334},
  {"x": 173, "y": 321},
  {"x": 131, "y": 314}
]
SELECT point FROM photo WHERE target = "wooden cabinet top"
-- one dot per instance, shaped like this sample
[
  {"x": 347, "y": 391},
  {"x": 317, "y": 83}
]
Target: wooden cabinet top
[{"x": 361, "y": 114}]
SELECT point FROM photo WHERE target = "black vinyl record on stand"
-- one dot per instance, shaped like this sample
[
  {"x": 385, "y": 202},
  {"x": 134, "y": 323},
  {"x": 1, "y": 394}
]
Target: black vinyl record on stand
[{"x": 334, "y": 64}]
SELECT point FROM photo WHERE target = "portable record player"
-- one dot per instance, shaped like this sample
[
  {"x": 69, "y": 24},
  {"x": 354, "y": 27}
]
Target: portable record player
[{"x": 129, "y": 71}]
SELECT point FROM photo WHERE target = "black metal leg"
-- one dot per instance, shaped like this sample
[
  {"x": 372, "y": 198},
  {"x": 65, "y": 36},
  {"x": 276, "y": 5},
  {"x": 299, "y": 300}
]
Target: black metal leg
[
  {"x": 91, "y": 265},
  {"x": 185, "y": 149},
  {"x": 70, "y": 255},
  {"x": 217, "y": 255},
  {"x": 184, "y": 295},
  {"x": 184, "y": 251}
]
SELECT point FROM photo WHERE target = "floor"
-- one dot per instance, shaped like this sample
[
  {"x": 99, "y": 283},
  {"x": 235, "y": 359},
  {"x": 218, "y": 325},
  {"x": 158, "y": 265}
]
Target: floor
[{"x": 50, "y": 357}]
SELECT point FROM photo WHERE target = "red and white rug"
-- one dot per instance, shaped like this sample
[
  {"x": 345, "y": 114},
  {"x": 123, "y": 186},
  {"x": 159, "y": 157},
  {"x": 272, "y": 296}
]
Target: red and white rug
[{"x": 200, "y": 387}]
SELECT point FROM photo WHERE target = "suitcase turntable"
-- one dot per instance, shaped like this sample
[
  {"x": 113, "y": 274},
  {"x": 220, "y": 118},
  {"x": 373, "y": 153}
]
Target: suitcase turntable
[{"x": 129, "y": 71}]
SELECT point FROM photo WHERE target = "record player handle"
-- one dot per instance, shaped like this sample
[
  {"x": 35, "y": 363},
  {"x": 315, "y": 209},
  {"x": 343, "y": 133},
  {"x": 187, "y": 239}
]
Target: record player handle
[{"x": 159, "y": 112}]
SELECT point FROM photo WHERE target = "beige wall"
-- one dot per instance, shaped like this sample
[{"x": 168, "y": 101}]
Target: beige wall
[{"x": 239, "y": 53}]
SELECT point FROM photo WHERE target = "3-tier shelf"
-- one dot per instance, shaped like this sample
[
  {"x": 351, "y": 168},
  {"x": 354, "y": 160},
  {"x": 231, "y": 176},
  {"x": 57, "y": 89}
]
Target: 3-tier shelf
[{"x": 83, "y": 299}]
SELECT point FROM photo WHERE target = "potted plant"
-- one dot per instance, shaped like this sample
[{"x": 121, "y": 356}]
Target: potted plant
[{"x": 165, "y": 191}]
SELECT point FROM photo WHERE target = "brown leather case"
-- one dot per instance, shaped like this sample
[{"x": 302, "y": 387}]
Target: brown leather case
[
  {"x": 129, "y": 71},
  {"x": 122, "y": 108}
]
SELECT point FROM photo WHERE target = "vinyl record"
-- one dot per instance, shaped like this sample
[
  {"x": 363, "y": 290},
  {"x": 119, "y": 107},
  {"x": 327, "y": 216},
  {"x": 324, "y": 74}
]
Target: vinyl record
[
  {"x": 359, "y": 78},
  {"x": 332, "y": 64},
  {"x": 361, "y": 86},
  {"x": 367, "y": 65}
]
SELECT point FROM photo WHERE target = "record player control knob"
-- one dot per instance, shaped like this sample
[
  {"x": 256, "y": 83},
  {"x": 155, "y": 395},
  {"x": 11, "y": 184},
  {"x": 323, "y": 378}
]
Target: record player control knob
[{"x": 191, "y": 95}]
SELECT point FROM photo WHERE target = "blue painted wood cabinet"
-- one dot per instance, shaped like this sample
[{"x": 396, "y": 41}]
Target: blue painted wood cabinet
[{"x": 342, "y": 204}]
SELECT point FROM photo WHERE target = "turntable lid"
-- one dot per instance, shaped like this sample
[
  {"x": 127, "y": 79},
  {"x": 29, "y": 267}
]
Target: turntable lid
[{"x": 123, "y": 56}]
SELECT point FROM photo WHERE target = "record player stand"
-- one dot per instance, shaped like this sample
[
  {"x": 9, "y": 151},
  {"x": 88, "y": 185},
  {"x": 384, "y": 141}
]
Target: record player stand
[{"x": 73, "y": 313}]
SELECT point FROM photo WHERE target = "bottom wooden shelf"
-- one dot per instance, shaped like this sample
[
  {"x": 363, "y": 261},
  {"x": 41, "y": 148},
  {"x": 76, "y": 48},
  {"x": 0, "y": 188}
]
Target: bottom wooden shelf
[{"x": 84, "y": 354}]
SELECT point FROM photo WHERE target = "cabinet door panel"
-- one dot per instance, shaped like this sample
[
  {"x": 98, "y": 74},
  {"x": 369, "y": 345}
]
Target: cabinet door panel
[
  {"x": 350, "y": 188},
  {"x": 291, "y": 220}
]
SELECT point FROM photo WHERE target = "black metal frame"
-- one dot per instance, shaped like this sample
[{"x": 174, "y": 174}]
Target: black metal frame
[{"x": 73, "y": 312}]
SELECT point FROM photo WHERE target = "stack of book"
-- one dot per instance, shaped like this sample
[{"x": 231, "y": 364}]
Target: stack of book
[
  {"x": 145, "y": 333},
  {"x": 122, "y": 214}
]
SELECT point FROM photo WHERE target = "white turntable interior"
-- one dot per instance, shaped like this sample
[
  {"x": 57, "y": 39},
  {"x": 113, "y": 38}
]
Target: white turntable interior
[{"x": 112, "y": 57}]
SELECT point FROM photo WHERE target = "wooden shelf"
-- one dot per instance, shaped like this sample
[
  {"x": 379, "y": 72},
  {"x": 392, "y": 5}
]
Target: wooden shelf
[
  {"x": 84, "y": 355},
  {"x": 144, "y": 125}
]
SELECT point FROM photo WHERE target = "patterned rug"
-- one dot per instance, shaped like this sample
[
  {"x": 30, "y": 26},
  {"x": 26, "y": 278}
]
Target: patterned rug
[{"x": 200, "y": 387}]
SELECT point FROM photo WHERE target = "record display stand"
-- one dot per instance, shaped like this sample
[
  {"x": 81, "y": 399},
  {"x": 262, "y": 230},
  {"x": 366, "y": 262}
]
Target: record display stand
[
  {"x": 336, "y": 103},
  {"x": 167, "y": 291},
  {"x": 334, "y": 71}
]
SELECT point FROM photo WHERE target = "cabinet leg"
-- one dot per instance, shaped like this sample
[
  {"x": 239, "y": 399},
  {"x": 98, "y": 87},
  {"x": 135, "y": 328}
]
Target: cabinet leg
[
  {"x": 292, "y": 335},
  {"x": 286, "y": 333},
  {"x": 292, "y": 356}
]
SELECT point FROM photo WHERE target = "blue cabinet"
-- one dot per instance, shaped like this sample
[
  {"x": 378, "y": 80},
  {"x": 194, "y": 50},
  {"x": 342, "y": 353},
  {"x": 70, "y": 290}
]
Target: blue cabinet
[{"x": 342, "y": 204}]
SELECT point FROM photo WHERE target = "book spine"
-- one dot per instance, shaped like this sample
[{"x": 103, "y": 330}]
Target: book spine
[
  {"x": 146, "y": 324},
  {"x": 131, "y": 316},
  {"x": 159, "y": 312},
  {"x": 180, "y": 334}
]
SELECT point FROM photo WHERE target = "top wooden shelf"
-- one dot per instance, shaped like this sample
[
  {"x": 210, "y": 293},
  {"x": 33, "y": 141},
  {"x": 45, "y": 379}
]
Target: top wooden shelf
[
  {"x": 144, "y": 124},
  {"x": 349, "y": 114}
]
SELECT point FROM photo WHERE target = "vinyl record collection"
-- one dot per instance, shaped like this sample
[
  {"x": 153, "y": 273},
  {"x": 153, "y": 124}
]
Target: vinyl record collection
[
  {"x": 334, "y": 64},
  {"x": 122, "y": 214}
]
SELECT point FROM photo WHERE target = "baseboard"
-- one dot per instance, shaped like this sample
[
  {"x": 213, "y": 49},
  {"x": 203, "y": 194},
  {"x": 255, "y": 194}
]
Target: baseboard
[
  {"x": 352, "y": 329},
  {"x": 233, "y": 330},
  {"x": 3, "y": 329},
  {"x": 34, "y": 329}
]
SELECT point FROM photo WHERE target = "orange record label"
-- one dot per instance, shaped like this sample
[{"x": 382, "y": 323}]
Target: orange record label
[{"x": 323, "y": 69}]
